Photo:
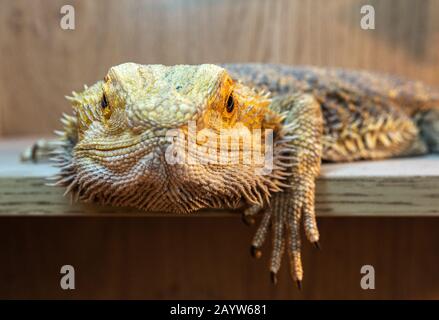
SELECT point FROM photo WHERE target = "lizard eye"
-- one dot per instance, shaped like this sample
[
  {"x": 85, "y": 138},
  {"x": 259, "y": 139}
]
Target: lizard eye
[
  {"x": 104, "y": 101},
  {"x": 230, "y": 103}
]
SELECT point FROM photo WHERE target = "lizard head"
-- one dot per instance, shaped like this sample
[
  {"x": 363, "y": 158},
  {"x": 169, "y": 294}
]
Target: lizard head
[{"x": 152, "y": 136}]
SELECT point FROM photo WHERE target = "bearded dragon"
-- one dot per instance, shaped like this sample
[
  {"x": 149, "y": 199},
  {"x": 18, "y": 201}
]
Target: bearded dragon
[{"x": 116, "y": 149}]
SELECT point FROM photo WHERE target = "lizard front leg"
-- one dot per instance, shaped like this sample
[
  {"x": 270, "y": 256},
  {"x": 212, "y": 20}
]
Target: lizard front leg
[
  {"x": 44, "y": 149},
  {"x": 299, "y": 149}
]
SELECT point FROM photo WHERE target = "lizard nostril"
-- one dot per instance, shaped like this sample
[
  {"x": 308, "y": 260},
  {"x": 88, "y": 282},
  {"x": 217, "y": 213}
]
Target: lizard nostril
[
  {"x": 104, "y": 101},
  {"x": 230, "y": 103}
]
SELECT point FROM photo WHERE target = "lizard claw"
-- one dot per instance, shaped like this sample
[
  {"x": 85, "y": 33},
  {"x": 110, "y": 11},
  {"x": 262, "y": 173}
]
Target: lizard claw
[
  {"x": 249, "y": 213},
  {"x": 273, "y": 277},
  {"x": 249, "y": 221},
  {"x": 255, "y": 252},
  {"x": 285, "y": 225},
  {"x": 317, "y": 245}
]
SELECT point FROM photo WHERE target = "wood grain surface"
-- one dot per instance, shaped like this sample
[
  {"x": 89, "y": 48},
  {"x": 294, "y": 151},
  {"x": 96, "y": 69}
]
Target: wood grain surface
[
  {"x": 144, "y": 257},
  {"x": 164, "y": 258}
]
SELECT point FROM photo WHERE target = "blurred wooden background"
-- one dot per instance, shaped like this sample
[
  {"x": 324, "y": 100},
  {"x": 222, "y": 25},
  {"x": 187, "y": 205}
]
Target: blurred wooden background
[
  {"x": 206, "y": 258},
  {"x": 40, "y": 62}
]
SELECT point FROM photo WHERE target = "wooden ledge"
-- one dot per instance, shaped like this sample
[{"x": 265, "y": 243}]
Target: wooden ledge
[{"x": 395, "y": 187}]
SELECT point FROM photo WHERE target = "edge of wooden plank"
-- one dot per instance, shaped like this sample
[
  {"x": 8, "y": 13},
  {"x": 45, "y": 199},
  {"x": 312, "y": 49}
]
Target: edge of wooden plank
[
  {"x": 373, "y": 197},
  {"x": 392, "y": 188}
]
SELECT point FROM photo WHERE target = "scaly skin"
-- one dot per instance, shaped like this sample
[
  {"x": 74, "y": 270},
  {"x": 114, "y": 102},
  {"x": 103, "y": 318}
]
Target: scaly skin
[{"x": 114, "y": 147}]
